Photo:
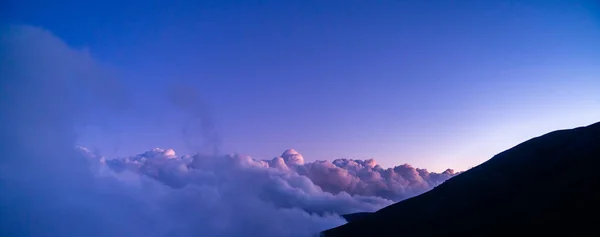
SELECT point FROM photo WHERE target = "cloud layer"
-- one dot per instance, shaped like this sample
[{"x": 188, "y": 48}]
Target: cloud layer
[
  {"x": 50, "y": 189},
  {"x": 341, "y": 177}
]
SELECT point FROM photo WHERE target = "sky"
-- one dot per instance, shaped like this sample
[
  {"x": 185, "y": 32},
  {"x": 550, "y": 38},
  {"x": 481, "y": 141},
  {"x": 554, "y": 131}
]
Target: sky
[
  {"x": 52, "y": 186},
  {"x": 436, "y": 84}
]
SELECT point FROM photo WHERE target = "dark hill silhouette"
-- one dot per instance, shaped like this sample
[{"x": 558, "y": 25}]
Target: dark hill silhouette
[
  {"x": 356, "y": 216},
  {"x": 546, "y": 185}
]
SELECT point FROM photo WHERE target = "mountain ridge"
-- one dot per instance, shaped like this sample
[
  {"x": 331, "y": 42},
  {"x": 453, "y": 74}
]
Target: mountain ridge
[{"x": 538, "y": 185}]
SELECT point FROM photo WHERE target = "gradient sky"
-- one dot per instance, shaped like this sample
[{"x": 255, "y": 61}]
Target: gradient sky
[{"x": 437, "y": 84}]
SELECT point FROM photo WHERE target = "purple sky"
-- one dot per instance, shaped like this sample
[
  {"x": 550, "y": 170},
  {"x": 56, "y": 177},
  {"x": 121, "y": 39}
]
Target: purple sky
[{"x": 437, "y": 85}]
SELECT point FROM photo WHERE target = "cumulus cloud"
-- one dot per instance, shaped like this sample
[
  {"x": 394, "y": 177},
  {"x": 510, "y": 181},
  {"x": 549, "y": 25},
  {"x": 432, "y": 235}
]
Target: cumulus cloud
[
  {"x": 282, "y": 188},
  {"x": 50, "y": 187},
  {"x": 362, "y": 179}
]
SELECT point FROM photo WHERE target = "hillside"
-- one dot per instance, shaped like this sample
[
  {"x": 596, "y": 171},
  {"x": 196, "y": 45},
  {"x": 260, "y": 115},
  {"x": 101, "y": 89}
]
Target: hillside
[{"x": 547, "y": 184}]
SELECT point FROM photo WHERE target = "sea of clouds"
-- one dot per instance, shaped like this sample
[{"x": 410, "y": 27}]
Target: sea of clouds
[
  {"x": 364, "y": 180},
  {"x": 51, "y": 187}
]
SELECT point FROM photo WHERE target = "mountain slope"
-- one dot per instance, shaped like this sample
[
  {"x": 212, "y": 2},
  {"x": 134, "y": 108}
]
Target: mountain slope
[
  {"x": 356, "y": 216},
  {"x": 545, "y": 185}
]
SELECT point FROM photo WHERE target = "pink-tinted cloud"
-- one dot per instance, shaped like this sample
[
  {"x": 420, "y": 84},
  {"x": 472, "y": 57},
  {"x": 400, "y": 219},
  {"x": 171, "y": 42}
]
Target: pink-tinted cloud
[{"x": 352, "y": 177}]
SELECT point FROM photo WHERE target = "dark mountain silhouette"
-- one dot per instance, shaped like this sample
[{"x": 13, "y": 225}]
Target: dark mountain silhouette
[
  {"x": 356, "y": 216},
  {"x": 546, "y": 185}
]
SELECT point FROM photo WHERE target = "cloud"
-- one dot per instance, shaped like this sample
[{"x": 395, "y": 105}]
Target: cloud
[
  {"x": 50, "y": 187},
  {"x": 364, "y": 180},
  {"x": 282, "y": 188}
]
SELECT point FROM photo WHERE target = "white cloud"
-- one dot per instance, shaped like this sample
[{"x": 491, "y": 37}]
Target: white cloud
[{"x": 342, "y": 176}]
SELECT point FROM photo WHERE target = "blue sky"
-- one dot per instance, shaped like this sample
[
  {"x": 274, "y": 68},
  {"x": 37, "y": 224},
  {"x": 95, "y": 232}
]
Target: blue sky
[{"x": 437, "y": 84}]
